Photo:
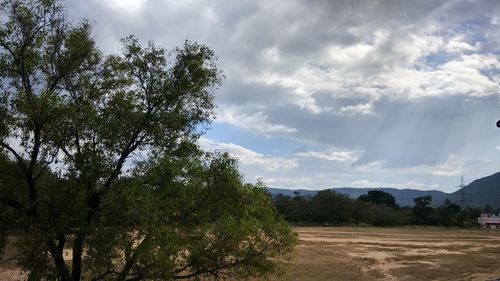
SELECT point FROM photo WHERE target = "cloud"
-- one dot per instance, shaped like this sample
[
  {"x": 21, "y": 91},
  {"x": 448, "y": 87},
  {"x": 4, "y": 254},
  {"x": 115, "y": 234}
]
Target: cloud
[
  {"x": 248, "y": 157},
  {"x": 289, "y": 182},
  {"x": 126, "y": 6},
  {"x": 338, "y": 156},
  {"x": 459, "y": 44},
  {"x": 408, "y": 185},
  {"x": 256, "y": 122},
  {"x": 362, "y": 109},
  {"x": 366, "y": 183},
  {"x": 453, "y": 167}
]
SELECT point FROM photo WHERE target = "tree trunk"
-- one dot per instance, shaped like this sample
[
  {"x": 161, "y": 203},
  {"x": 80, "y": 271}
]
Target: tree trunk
[{"x": 76, "y": 272}]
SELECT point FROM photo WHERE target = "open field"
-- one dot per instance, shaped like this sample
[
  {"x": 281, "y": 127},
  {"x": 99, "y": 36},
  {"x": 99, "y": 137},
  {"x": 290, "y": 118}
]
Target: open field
[{"x": 366, "y": 253}]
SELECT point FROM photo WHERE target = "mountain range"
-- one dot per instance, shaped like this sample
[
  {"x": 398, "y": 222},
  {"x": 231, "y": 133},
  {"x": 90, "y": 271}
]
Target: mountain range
[{"x": 479, "y": 193}]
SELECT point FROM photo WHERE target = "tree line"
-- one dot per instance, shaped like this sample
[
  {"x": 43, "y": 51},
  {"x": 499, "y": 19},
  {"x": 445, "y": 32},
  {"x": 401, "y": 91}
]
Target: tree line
[{"x": 377, "y": 208}]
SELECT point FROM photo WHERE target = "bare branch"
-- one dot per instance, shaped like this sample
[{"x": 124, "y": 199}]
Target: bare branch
[
  {"x": 66, "y": 153},
  {"x": 44, "y": 167},
  {"x": 19, "y": 159}
]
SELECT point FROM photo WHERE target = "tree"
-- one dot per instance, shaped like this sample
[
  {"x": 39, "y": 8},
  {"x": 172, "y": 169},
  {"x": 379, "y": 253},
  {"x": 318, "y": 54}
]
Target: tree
[
  {"x": 468, "y": 217},
  {"x": 282, "y": 203},
  {"x": 448, "y": 213},
  {"x": 300, "y": 208},
  {"x": 360, "y": 213},
  {"x": 379, "y": 197},
  {"x": 104, "y": 160},
  {"x": 422, "y": 212},
  {"x": 331, "y": 207}
]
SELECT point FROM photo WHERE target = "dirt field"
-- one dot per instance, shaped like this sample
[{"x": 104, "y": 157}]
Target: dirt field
[{"x": 367, "y": 253}]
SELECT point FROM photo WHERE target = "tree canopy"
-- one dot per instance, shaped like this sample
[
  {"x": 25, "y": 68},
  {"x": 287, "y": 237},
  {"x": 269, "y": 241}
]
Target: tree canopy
[
  {"x": 378, "y": 197},
  {"x": 100, "y": 156}
]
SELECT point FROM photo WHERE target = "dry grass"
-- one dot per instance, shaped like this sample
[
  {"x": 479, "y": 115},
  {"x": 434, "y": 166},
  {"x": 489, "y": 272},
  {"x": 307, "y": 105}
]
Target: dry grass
[
  {"x": 347, "y": 253},
  {"x": 367, "y": 253}
]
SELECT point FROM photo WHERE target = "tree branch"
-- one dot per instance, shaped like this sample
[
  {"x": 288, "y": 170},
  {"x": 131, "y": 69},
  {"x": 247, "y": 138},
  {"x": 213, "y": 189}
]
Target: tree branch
[
  {"x": 44, "y": 167},
  {"x": 19, "y": 159},
  {"x": 130, "y": 262},
  {"x": 57, "y": 256}
]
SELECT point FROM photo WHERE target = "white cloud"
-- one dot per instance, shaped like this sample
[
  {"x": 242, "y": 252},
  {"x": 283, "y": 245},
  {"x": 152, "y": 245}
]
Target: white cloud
[
  {"x": 257, "y": 122},
  {"x": 338, "y": 156},
  {"x": 420, "y": 185},
  {"x": 462, "y": 76},
  {"x": 458, "y": 44},
  {"x": 248, "y": 157},
  {"x": 370, "y": 72},
  {"x": 495, "y": 20},
  {"x": 299, "y": 85},
  {"x": 408, "y": 185},
  {"x": 126, "y": 6},
  {"x": 271, "y": 55},
  {"x": 366, "y": 183},
  {"x": 359, "y": 109},
  {"x": 372, "y": 167},
  {"x": 452, "y": 167}
]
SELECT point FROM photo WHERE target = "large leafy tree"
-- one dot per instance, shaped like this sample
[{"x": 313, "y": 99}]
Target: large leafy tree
[
  {"x": 331, "y": 207},
  {"x": 378, "y": 197},
  {"x": 101, "y": 175}
]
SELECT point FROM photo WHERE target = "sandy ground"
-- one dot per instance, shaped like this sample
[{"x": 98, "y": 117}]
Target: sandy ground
[{"x": 366, "y": 253}]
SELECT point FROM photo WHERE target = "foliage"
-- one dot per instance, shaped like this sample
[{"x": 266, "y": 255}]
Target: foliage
[
  {"x": 448, "y": 214},
  {"x": 99, "y": 155},
  {"x": 422, "y": 212},
  {"x": 331, "y": 207},
  {"x": 379, "y": 197}
]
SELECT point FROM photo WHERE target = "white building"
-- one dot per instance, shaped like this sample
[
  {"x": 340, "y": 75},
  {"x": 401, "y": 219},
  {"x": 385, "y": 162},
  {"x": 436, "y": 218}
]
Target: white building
[{"x": 489, "y": 221}]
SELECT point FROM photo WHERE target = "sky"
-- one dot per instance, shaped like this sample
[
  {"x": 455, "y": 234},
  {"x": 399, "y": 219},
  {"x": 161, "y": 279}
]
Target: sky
[{"x": 320, "y": 94}]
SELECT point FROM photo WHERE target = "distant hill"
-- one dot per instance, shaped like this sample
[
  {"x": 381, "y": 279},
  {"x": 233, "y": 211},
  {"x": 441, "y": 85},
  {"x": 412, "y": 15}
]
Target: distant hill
[
  {"x": 404, "y": 197},
  {"x": 291, "y": 192},
  {"x": 481, "y": 192}
]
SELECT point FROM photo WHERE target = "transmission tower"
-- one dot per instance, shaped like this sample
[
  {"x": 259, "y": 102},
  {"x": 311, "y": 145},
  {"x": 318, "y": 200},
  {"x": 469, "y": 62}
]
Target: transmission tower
[{"x": 463, "y": 194}]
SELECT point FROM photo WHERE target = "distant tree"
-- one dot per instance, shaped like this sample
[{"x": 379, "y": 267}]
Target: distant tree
[
  {"x": 331, "y": 207},
  {"x": 99, "y": 154},
  {"x": 448, "y": 214},
  {"x": 379, "y": 197},
  {"x": 423, "y": 201},
  {"x": 381, "y": 215},
  {"x": 422, "y": 212},
  {"x": 468, "y": 217},
  {"x": 300, "y": 209},
  {"x": 282, "y": 203},
  {"x": 360, "y": 212}
]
